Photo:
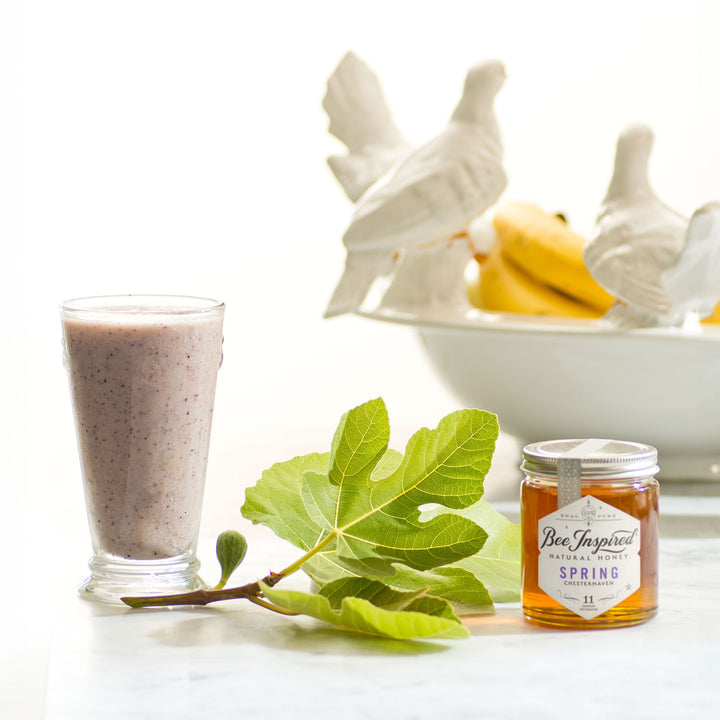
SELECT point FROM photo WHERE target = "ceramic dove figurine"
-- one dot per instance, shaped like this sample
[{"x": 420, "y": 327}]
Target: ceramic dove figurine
[
  {"x": 637, "y": 237},
  {"x": 431, "y": 195}
]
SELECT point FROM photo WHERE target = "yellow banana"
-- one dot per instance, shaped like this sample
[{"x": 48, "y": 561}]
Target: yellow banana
[
  {"x": 544, "y": 247},
  {"x": 715, "y": 317},
  {"x": 503, "y": 286}
]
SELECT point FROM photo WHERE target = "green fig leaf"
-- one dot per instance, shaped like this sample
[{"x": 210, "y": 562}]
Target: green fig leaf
[
  {"x": 367, "y": 607},
  {"x": 472, "y": 584},
  {"x": 275, "y": 501},
  {"x": 366, "y": 502},
  {"x": 497, "y": 564}
]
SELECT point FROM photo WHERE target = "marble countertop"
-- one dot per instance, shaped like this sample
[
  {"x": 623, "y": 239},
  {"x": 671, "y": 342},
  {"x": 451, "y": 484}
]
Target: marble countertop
[{"x": 92, "y": 661}]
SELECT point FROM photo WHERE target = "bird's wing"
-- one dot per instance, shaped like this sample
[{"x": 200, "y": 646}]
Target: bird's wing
[
  {"x": 693, "y": 282},
  {"x": 361, "y": 119},
  {"x": 432, "y": 195},
  {"x": 628, "y": 264}
]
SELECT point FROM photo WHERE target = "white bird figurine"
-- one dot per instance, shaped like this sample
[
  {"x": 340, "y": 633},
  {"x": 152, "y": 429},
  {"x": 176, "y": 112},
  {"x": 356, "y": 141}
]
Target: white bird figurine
[
  {"x": 637, "y": 237},
  {"x": 693, "y": 283},
  {"x": 428, "y": 197}
]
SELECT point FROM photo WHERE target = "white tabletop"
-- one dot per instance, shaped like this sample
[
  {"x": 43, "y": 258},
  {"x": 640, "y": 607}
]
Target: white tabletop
[
  {"x": 249, "y": 663},
  {"x": 85, "y": 661}
]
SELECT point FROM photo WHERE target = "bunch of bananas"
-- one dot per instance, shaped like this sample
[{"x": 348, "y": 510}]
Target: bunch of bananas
[{"x": 536, "y": 267}]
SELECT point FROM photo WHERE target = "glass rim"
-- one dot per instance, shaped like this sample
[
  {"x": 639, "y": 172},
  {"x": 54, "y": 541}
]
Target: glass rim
[{"x": 141, "y": 304}]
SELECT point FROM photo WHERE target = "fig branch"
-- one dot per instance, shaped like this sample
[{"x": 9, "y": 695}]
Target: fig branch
[{"x": 230, "y": 552}]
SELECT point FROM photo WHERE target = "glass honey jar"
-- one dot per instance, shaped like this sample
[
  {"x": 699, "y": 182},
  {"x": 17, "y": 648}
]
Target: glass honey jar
[{"x": 589, "y": 520}]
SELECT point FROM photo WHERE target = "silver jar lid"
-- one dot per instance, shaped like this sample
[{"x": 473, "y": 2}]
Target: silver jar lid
[{"x": 599, "y": 459}]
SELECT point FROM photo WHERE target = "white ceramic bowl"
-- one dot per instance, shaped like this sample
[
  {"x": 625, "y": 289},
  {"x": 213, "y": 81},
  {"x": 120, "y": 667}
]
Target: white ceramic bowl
[{"x": 548, "y": 378}]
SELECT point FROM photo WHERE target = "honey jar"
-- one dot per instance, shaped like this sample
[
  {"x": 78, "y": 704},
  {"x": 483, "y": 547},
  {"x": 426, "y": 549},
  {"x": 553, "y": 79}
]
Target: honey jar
[{"x": 589, "y": 519}]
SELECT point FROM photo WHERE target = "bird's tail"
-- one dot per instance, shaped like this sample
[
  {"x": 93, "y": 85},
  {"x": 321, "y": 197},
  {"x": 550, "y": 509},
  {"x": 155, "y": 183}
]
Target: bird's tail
[{"x": 361, "y": 270}]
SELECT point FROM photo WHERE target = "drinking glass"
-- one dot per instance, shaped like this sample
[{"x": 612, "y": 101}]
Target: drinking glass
[{"x": 142, "y": 372}]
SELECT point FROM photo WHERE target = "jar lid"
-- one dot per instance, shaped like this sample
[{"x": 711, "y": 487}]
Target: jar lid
[{"x": 598, "y": 459}]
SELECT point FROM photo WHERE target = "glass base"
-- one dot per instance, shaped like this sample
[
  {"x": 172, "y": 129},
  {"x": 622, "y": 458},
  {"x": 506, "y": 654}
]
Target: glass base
[
  {"x": 113, "y": 578},
  {"x": 614, "y": 617}
]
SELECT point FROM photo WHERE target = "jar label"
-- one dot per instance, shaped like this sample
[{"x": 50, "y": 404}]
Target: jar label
[{"x": 589, "y": 556}]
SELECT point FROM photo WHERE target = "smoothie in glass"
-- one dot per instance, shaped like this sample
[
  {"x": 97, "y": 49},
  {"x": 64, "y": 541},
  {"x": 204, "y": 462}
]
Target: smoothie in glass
[{"x": 142, "y": 373}]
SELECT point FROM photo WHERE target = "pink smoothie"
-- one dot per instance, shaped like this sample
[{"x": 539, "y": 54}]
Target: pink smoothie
[{"x": 143, "y": 390}]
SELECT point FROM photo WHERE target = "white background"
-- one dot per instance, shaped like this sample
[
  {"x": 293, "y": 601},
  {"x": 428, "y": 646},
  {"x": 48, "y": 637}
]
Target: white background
[{"x": 168, "y": 146}]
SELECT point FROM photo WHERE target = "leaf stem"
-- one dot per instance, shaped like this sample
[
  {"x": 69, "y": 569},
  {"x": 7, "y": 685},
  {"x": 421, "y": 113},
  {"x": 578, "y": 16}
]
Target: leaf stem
[
  {"x": 290, "y": 569},
  {"x": 270, "y": 606}
]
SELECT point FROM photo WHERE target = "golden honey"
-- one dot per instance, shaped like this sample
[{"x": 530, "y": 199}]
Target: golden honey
[{"x": 590, "y": 560}]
